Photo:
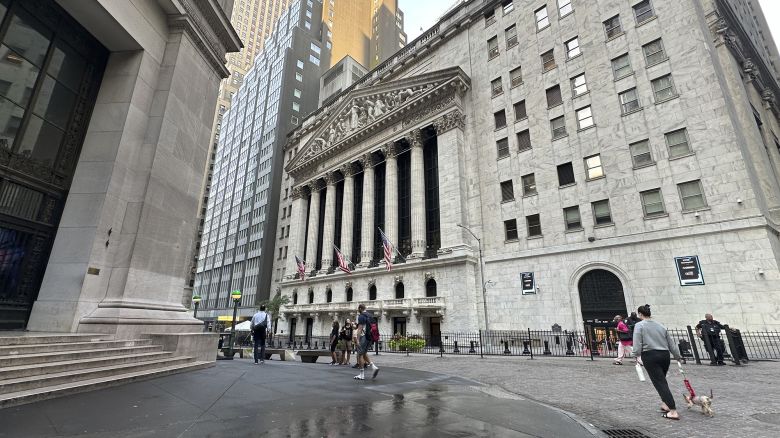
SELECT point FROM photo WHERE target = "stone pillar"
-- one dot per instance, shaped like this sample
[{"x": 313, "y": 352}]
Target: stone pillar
[
  {"x": 348, "y": 209},
  {"x": 418, "y": 194},
  {"x": 449, "y": 133},
  {"x": 314, "y": 228},
  {"x": 367, "y": 228},
  {"x": 391, "y": 192},
  {"x": 329, "y": 224},
  {"x": 297, "y": 228}
]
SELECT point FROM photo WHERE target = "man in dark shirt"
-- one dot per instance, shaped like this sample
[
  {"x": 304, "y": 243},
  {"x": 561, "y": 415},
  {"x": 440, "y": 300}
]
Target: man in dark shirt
[{"x": 709, "y": 331}]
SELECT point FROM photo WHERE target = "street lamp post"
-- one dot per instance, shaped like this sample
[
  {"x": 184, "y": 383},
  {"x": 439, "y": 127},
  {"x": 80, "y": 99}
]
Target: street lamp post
[
  {"x": 236, "y": 295},
  {"x": 196, "y": 300},
  {"x": 481, "y": 272}
]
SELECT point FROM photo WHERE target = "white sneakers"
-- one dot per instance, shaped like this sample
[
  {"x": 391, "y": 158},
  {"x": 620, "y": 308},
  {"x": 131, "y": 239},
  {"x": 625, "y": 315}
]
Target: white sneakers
[
  {"x": 362, "y": 376},
  {"x": 376, "y": 371}
]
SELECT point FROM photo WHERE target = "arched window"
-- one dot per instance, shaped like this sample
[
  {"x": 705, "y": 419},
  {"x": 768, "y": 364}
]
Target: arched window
[
  {"x": 399, "y": 291},
  {"x": 311, "y": 297},
  {"x": 430, "y": 288},
  {"x": 329, "y": 296},
  {"x": 349, "y": 294},
  {"x": 295, "y": 298},
  {"x": 372, "y": 293}
]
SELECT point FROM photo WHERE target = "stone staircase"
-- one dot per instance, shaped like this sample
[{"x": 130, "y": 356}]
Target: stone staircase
[{"x": 40, "y": 366}]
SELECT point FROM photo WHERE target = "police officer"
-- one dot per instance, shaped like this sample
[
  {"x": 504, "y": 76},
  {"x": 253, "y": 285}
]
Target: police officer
[{"x": 711, "y": 329}]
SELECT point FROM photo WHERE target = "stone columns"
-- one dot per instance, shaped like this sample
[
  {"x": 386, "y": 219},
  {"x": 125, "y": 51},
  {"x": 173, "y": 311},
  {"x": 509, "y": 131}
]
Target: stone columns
[
  {"x": 348, "y": 209},
  {"x": 314, "y": 222},
  {"x": 367, "y": 228},
  {"x": 391, "y": 192},
  {"x": 418, "y": 194},
  {"x": 449, "y": 133},
  {"x": 329, "y": 224},
  {"x": 297, "y": 228}
]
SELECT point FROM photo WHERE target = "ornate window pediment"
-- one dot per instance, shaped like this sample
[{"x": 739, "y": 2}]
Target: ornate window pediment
[{"x": 365, "y": 111}]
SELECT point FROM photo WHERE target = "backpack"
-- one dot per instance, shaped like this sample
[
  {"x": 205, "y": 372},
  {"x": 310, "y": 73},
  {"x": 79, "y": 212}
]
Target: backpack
[
  {"x": 373, "y": 333},
  {"x": 263, "y": 324}
]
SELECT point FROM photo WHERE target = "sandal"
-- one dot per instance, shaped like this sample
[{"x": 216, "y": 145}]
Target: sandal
[{"x": 666, "y": 415}]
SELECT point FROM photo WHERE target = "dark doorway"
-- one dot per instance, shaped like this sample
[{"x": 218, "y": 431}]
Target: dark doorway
[
  {"x": 372, "y": 293},
  {"x": 399, "y": 326},
  {"x": 601, "y": 296},
  {"x": 293, "y": 321},
  {"x": 399, "y": 291},
  {"x": 435, "y": 329},
  {"x": 430, "y": 288},
  {"x": 309, "y": 328},
  {"x": 349, "y": 294}
]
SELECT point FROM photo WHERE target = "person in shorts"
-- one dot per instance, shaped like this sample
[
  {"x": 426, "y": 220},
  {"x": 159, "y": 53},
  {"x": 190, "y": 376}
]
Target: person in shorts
[{"x": 363, "y": 342}]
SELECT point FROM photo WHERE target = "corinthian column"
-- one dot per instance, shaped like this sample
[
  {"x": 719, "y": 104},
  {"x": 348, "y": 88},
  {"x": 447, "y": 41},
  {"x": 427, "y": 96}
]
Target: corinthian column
[
  {"x": 367, "y": 228},
  {"x": 348, "y": 209},
  {"x": 314, "y": 222},
  {"x": 452, "y": 187},
  {"x": 329, "y": 224},
  {"x": 418, "y": 194},
  {"x": 391, "y": 192},
  {"x": 297, "y": 227}
]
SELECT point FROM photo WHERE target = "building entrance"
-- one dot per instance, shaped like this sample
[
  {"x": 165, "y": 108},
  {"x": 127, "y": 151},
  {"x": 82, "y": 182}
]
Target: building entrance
[
  {"x": 601, "y": 297},
  {"x": 50, "y": 73}
]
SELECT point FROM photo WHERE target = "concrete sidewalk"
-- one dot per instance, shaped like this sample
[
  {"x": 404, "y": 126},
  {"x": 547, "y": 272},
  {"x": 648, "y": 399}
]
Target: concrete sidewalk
[
  {"x": 609, "y": 396},
  {"x": 293, "y": 399}
]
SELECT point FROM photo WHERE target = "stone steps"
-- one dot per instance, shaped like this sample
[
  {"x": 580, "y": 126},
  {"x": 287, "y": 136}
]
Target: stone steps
[
  {"x": 70, "y": 346},
  {"x": 65, "y": 377},
  {"x": 23, "y": 338},
  {"x": 60, "y": 356},
  {"x": 37, "y": 369},
  {"x": 33, "y": 395}
]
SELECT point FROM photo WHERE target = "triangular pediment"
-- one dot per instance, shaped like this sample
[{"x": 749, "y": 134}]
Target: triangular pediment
[{"x": 363, "y": 111}]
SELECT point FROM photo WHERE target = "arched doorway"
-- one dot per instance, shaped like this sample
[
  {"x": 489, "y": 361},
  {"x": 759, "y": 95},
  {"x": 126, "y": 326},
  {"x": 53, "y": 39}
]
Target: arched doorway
[
  {"x": 329, "y": 296},
  {"x": 372, "y": 293},
  {"x": 399, "y": 291},
  {"x": 430, "y": 288},
  {"x": 601, "y": 296},
  {"x": 349, "y": 294},
  {"x": 311, "y": 297}
]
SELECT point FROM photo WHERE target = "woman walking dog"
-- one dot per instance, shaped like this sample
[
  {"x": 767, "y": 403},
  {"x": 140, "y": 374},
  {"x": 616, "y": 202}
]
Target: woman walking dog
[{"x": 652, "y": 346}]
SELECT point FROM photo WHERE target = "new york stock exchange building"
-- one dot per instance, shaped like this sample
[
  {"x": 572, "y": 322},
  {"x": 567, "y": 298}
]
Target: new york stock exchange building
[{"x": 599, "y": 169}]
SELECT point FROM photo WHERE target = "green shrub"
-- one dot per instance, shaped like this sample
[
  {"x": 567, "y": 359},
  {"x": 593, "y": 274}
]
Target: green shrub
[{"x": 402, "y": 343}]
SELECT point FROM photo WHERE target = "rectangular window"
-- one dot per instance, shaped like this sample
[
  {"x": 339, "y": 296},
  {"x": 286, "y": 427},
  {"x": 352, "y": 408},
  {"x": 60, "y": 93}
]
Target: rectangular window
[
  {"x": 572, "y": 48},
  {"x": 314, "y": 60},
  {"x": 558, "y": 127},
  {"x": 601, "y": 213},
  {"x": 652, "y": 203},
  {"x": 503, "y": 148},
  {"x": 565, "y": 174},
  {"x": 297, "y": 93},
  {"x": 654, "y": 52},
  {"x": 520, "y": 112},
  {"x": 500, "y": 119},
  {"x": 542, "y": 20},
  {"x": 296, "y": 107},
  {"x": 571, "y": 216},
  {"x": 315, "y": 48},
  {"x": 629, "y": 101},
  {"x": 298, "y": 77},
  {"x": 612, "y": 27},
  {"x": 578, "y": 85},
  {"x": 529, "y": 184},
  {"x": 554, "y": 96},
  {"x": 492, "y": 47},
  {"x": 692, "y": 195},
  {"x": 593, "y": 167},
  {"x": 584, "y": 118},
  {"x": 511, "y": 36},
  {"x": 640, "y": 153},
  {"x": 643, "y": 11},
  {"x": 299, "y": 64},
  {"x": 524, "y": 140},
  {"x": 621, "y": 66},
  {"x": 508, "y": 6},
  {"x": 516, "y": 77},
  {"x": 507, "y": 191},
  {"x": 663, "y": 88},
  {"x": 510, "y": 229},
  {"x": 548, "y": 61},
  {"x": 534, "y": 225},
  {"x": 490, "y": 17},
  {"x": 496, "y": 87},
  {"x": 677, "y": 141},
  {"x": 564, "y": 7}
]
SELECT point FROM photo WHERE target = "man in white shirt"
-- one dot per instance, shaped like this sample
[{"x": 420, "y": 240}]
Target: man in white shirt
[{"x": 260, "y": 326}]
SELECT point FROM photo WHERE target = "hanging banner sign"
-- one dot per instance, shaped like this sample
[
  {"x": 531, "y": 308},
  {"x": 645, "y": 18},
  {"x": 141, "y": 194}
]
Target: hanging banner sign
[
  {"x": 689, "y": 271},
  {"x": 528, "y": 283}
]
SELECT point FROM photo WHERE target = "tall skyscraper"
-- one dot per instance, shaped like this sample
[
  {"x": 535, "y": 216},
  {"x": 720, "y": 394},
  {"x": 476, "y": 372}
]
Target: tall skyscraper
[{"x": 241, "y": 229}]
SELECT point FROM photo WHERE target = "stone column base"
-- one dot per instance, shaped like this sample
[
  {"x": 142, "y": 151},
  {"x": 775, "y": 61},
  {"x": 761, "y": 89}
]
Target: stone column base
[{"x": 131, "y": 320}]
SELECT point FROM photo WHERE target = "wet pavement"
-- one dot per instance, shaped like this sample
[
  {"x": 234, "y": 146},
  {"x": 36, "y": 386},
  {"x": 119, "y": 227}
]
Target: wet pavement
[{"x": 293, "y": 399}]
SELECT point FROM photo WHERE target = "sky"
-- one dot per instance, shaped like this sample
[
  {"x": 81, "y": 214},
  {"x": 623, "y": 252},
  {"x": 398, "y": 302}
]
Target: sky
[{"x": 425, "y": 13}]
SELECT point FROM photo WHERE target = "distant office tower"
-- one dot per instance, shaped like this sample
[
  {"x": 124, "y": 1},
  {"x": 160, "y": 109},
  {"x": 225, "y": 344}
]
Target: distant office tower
[
  {"x": 253, "y": 21},
  {"x": 367, "y": 30}
]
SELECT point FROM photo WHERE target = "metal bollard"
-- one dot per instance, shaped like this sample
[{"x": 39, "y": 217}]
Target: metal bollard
[
  {"x": 441, "y": 349},
  {"x": 525, "y": 347},
  {"x": 456, "y": 349},
  {"x": 471, "y": 348},
  {"x": 506, "y": 348},
  {"x": 547, "y": 351}
]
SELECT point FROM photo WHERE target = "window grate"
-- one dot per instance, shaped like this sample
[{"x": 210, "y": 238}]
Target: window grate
[{"x": 624, "y": 433}]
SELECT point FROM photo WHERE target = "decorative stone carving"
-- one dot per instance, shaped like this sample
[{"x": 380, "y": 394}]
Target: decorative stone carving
[
  {"x": 330, "y": 178},
  {"x": 768, "y": 96},
  {"x": 436, "y": 107},
  {"x": 451, "y": 120},
  {"x": 317, "y": 185},
  {"x": 398, "y": 279},
  {"x": 367, "y": 160},
  {"x": 349, "y": 170},
  {"x": 414, "y": 138},
  {"x": 347, "y": 285},
  {"x": 298, "y": 192},
  {"x": 372, "y": 282},
  {"x": 391, "y": 150},
  {"x": 429, "y": 276}
]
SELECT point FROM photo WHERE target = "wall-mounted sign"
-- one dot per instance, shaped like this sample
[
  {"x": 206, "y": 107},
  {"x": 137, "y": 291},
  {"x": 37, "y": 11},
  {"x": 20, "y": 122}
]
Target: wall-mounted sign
[
  {"x": 689, "y": 270},
  {"x": 528, "y": 283}
]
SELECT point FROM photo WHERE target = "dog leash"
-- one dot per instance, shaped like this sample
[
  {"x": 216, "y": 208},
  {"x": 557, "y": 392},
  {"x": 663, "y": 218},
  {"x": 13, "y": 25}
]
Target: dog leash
[{"x": 685, "y": 380}]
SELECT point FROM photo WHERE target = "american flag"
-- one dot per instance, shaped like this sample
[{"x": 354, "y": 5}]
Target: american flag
[
  {"x": 388, "y": 250},
  {"x": 343, "y": 262},
  {"x": 301, "y": 267}
]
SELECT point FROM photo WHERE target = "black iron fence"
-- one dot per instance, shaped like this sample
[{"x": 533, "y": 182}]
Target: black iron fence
[{"x": 592, "y": 342}]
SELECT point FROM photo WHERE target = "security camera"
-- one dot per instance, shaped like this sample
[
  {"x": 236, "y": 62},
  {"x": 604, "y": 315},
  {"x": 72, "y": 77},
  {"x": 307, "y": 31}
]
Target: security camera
[{"x": 591, "y": 239}]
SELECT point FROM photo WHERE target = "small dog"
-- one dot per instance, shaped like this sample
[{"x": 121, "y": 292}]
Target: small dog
[{"x": 701, "y": 400}]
